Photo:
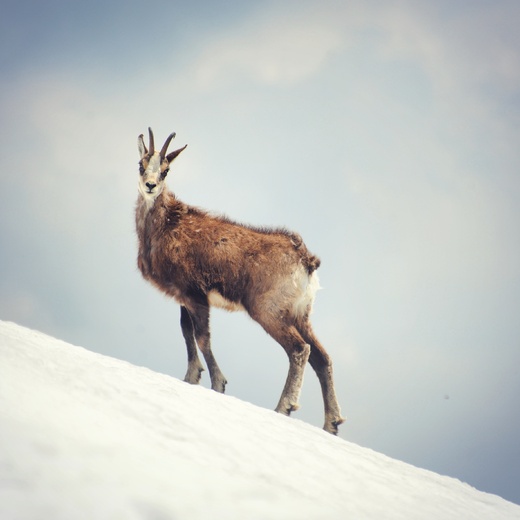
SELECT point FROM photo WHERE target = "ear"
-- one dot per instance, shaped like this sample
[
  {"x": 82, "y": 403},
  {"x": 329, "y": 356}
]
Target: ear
[
  {"x": 141, "y": 146},
  {"x": 171, "y": 156}
]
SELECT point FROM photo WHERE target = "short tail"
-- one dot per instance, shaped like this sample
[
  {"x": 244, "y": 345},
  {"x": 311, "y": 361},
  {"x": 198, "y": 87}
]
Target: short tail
[{"x": 310, "y": 261}]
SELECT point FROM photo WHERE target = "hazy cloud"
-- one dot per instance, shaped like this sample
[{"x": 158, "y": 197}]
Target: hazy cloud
[{"x": 384, "y": 132}]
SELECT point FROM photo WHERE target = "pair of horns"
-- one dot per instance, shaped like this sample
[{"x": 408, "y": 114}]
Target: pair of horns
[{"x": 151, "y": 148}]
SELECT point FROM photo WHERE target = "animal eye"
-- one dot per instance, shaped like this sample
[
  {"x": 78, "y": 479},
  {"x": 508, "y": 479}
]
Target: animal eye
[
  {"x": 165, "y": 172},
  {"x": 141, "y": 169}
]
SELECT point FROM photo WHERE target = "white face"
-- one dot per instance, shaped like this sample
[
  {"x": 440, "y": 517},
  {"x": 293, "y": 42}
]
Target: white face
[
  {"x": 153, "y": 167},
  {"x": 152, "y": 172}
]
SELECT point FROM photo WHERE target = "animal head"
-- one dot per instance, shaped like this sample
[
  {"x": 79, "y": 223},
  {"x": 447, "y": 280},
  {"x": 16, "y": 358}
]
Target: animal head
[{"x": 154, "y": 166}]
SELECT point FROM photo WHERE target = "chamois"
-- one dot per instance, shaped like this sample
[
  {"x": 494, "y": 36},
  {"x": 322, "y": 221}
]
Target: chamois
[{"x": 202, "y": 260}]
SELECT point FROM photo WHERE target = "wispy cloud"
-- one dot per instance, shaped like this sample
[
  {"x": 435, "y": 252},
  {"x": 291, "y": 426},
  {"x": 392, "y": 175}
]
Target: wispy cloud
[
  {"x": 385, "y": 132},
  {"x": 275, "y": 50}
]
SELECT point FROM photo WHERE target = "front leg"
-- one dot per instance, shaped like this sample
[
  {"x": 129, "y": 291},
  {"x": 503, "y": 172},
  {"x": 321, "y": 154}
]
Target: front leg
[
  {"x": 195, "y": 367},
  {"x": 199, "y": 313}
]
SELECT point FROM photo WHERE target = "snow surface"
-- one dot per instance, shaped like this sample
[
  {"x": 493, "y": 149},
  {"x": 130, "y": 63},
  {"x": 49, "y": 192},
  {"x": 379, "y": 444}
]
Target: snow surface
[{"x": 85, "y": 436}]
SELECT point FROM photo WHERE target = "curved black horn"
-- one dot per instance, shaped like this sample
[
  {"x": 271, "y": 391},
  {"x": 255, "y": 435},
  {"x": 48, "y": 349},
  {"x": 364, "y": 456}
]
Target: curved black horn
[
  {"x": 171, "y": 156},
  {"x": 164, "y": 149},
  {"x": 151, "y": 151}
]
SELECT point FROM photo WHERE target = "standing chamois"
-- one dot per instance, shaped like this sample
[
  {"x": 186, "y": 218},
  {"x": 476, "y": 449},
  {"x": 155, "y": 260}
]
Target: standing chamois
[{"x": 203, "y": 260}]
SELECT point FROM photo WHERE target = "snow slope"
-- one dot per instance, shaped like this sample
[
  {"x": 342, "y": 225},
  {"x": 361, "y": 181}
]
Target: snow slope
[{"x": 84, "y": 436}]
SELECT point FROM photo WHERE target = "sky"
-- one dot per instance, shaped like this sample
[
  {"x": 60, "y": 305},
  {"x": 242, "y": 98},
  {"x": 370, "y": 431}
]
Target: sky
[{"x": 384, "y": 132}]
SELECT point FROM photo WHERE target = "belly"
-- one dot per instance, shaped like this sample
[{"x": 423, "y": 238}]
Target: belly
[{"x": 215, "y": 299}]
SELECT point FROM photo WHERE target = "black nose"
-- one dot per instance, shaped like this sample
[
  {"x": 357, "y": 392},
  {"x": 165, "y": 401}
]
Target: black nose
[{"x": 151, "y": 185}]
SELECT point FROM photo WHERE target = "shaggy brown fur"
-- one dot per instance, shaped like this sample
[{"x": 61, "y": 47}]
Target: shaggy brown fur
[
  {"x": 186, "y": 253},
  {"x": 200, "y": 260}
]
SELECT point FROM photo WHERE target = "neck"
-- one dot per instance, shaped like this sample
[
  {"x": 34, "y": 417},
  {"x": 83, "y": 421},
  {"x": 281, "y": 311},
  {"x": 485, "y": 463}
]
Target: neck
[{"x": 146, "y": 200}]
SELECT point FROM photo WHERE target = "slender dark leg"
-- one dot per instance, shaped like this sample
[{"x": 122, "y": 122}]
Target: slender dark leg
[
  {"x": 195, "y": 367},
  {"x": 199, "y": 314},
  {"x": 322, "y": 365}
]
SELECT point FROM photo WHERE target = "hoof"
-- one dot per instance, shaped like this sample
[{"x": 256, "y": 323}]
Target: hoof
[
  {"x": 287, "y": 409},
  {"x": 193, "y": 378},
  {"x": 219, "y": 386},
  {"x": 332, "y": 426}
]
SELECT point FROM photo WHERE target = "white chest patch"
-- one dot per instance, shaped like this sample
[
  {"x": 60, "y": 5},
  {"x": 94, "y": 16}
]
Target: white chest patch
[{"x": 217, "y": 300}]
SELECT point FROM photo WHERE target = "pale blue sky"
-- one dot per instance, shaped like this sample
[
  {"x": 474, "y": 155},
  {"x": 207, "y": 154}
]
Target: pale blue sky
[{"x": 386, "y": 133}]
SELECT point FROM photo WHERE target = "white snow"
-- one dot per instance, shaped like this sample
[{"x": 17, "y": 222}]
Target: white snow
[{"x": 84, "y": 436}]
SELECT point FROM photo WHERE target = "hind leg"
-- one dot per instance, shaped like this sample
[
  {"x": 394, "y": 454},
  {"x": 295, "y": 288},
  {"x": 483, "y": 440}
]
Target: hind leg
[
  {"x": 289, "y": 399},
  {"x": 298, "y": 352},
  {"x": 322, "y": 365}
]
